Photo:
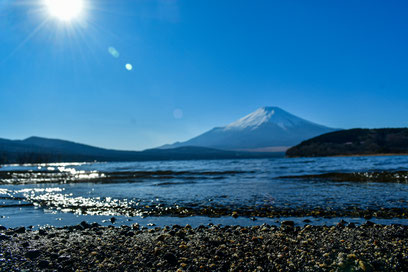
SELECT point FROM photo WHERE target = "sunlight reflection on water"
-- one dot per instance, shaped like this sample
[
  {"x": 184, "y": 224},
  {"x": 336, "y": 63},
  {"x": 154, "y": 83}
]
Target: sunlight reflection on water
[{"x": 145, "y": 188}]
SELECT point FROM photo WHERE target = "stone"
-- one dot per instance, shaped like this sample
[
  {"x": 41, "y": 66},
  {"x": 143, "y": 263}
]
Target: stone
[
  {"x": 135, "y": 226},
  {"x": 33, "y": 254},
  {"x": 85, "y": 225},
  {"x": 43, "y": 264},
  {"x": 288, "y": 223},
  {"x": 20, "y": 230},
  {"x": 170, "y": 258},
  {"x": 4, "y": 237}
]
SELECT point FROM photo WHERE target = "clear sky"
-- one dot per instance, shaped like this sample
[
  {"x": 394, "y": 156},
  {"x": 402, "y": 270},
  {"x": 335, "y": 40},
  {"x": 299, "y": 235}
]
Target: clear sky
[{"x": 197, "y": 64}]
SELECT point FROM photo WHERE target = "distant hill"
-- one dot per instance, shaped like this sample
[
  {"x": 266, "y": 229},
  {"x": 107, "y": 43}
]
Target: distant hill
[
  {"x": 43, "y": 150},
  {"x": 354, "y": 142},
  {"x": 266, "y": 129}
]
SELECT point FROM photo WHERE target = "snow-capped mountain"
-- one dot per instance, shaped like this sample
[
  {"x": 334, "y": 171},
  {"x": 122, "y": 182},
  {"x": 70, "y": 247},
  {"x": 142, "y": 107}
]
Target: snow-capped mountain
[{"x": 266, "y": 129}]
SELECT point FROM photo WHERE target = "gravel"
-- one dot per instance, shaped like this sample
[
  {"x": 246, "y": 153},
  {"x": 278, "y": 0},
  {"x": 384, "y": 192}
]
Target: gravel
[{"x": 90, "y": 247}]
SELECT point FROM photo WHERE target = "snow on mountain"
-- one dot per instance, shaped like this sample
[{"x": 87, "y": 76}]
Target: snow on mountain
[
  {"x": 264, "y": 115},
  {"x": 264, "y": 129}
]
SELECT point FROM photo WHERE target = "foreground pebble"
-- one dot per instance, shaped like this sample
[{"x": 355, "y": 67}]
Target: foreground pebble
[{"x": 91, "y": 247}]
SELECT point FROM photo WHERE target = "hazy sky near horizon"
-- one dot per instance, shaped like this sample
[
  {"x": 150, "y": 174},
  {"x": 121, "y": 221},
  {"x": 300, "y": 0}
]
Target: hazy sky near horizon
[{"x": 197, "y": 64}]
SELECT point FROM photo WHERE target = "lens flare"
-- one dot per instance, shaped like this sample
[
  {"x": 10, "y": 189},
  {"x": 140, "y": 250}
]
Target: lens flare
[{"x": 129, "y": 67}]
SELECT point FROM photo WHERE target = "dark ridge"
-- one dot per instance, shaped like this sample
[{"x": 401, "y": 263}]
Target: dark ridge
[
  {"x": 354, "y": 142},
  {"x": 42, "y": 150}
]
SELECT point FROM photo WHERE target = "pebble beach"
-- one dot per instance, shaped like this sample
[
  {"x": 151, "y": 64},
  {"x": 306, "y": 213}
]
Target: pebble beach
[{"x": 91, "y": 247}]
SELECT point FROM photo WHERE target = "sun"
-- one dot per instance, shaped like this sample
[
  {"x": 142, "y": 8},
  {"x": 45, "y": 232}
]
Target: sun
[{"x": 65, "y": 10}]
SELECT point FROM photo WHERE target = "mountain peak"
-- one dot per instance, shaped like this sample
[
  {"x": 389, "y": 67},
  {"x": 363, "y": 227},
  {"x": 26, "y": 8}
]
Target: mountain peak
[
  {"x": 40, "y": 140},
  {"x": 33, "y": 138},
  {"x": 270, "y": 109},
  {"x": 266, "y": 127},
  {"x": 265, "y": 115}
]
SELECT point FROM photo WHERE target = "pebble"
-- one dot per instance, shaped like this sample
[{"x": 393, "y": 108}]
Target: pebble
[
  {"x": 171, "y": 258},
  {"x": 288, "y": 223},
  {"x": 4, "y": 237},
  {"x": 212, "y": 248},
  {"x": 43, "y": 264},
  {"x": 33, "y": 254},
  {"x": 20, "y": 230}
]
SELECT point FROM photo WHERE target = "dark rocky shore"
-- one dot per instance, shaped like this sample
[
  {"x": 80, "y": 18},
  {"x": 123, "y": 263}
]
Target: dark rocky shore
[{"x": 90, "y": 247}]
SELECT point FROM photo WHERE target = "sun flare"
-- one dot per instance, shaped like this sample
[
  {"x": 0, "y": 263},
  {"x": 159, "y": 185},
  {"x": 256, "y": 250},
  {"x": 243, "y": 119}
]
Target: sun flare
[{"x": 65, "y": 10}]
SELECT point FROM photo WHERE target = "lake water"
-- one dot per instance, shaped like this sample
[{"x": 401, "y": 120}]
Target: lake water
[{"x": 157, "y": 192}]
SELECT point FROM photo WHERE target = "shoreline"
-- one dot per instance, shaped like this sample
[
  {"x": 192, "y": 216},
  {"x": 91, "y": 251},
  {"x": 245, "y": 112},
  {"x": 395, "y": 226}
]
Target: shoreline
[
  {"x": 223, "y": 211},
  {"x": 91, "y": 247}
]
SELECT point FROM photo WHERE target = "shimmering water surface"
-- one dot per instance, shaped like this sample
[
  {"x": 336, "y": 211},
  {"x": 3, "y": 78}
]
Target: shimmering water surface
[{"x": 158, "y": 192}]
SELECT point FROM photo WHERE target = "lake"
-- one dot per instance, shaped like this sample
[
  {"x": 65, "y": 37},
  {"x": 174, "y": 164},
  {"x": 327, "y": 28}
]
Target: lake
[{"x": 237, "y": 192}]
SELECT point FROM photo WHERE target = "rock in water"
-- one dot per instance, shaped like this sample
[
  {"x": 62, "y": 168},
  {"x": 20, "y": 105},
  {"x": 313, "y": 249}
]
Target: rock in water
[{"x": 288, "y": 223}]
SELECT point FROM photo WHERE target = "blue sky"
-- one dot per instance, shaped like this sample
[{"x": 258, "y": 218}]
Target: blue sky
[{"x": 198, "y": 64}]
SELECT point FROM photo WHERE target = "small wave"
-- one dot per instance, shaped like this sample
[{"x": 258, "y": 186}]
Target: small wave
[
  {"x": 17, "y": 205},
  {"x": 73, "y": 176},
  {"x": 174, "y": 183},
  {"x": 12, "y": 198},
  {"x": 383, "y": 176}
]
